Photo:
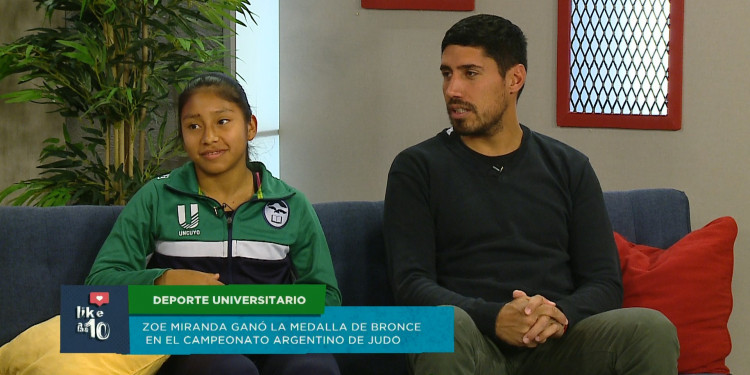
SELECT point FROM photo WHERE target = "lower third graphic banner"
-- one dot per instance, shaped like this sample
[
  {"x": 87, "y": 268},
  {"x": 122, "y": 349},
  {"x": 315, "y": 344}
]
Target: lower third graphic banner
[{"x": 97, "y": 319}]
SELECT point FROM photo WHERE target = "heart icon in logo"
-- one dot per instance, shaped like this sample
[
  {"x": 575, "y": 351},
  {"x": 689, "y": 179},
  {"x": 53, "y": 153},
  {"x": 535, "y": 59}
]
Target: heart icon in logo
[{"x": 99, "y": 298}]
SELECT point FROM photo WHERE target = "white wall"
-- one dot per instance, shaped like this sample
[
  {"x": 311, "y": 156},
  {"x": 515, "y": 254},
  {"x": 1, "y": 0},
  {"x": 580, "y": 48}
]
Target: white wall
[{"x": 358, "y": 86}]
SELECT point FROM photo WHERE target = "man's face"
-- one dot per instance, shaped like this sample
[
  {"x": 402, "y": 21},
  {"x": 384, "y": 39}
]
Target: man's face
[{"x": 476, "y": 94}]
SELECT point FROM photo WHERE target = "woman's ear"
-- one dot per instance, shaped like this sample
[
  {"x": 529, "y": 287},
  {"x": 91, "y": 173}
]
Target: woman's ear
[{"x": 252, "y": 128}]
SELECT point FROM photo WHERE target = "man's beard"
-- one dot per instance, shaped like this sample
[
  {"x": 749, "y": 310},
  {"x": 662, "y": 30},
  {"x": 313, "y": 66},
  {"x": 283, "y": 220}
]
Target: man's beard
[{"x": 481, "y": 128}]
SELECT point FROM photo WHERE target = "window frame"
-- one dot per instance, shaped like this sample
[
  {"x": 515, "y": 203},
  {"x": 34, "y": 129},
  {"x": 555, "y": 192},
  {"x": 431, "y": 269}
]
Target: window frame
[
  {"x": 463, "y": 5},
  {"x": 265, "y": 147},
  {"x": 671, "y": 121}
]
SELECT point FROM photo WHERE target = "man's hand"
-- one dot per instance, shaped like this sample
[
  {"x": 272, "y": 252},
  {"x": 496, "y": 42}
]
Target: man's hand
[
  {"x": 529, "y": 321},
  {"x": 551, "y": 322},
  {"x": 187, "y": 277}
]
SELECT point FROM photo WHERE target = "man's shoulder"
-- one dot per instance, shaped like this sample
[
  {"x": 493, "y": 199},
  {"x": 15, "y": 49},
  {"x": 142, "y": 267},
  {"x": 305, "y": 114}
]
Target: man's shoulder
[
  {"x": 424, "y": 153},
  {"x": 430, "y": 145},
  {"x": 554, "y": 145}
]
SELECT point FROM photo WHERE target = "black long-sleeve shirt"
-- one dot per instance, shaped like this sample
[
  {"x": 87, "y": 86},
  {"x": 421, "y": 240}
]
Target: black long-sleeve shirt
[{"x": 465, "y": 229}]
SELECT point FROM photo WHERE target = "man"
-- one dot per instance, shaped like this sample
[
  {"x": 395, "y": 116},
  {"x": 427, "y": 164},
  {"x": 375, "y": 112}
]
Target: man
[{"x": 510, "y": 226}]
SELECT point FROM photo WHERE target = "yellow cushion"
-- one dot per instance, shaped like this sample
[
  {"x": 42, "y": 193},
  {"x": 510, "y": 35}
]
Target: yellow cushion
[{"x": 36, "y": 351}]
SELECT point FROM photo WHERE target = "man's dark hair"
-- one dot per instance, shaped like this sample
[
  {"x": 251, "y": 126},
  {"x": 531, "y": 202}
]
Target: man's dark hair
[{"x": 501, "y": 40}]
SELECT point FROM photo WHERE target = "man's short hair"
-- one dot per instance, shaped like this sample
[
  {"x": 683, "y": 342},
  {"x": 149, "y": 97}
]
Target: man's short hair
[{"x": 501, "y": 40}]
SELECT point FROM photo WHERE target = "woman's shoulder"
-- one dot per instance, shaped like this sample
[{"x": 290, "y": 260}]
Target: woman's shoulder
[
  {"x": 179, "y": 178},
  {"x": 272, "y": 187}
]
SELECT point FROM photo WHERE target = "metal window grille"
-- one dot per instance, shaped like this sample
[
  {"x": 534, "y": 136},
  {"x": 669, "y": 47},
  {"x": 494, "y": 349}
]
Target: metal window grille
[
  {"x": 619, "y": 63},
  {"x": 619, "y": 57}
]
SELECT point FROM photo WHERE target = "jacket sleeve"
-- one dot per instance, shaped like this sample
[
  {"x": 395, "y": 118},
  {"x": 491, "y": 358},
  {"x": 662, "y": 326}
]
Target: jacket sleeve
[
  {"x": 311, "y": 256},
  {"x": 594, "y": 261},
  {"x": 409, "y": 230},
  {"x": 123, "y": 256}
]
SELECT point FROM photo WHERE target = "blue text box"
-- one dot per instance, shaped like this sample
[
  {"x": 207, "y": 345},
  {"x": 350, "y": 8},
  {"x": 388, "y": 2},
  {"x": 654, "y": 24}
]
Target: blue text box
[{"x": 348, "y": 329}]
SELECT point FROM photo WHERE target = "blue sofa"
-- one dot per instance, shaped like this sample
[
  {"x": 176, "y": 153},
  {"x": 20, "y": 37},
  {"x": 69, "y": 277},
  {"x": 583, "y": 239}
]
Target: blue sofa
[{"x": 43, "y": 248}]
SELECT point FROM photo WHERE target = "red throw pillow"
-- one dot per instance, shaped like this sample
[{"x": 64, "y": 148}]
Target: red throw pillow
[{"x": 690, "y": 283}]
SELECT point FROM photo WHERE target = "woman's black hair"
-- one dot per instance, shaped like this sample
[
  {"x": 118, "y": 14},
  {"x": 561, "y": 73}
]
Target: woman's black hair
[{"x": 223, "y": 85}]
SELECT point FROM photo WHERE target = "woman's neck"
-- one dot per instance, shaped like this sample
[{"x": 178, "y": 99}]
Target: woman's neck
[{"x": 229, "y": 190}]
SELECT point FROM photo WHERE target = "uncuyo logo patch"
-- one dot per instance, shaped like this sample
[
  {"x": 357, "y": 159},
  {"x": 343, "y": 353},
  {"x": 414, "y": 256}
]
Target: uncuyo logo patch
[
  {"x": 182, "y": 216},
  {"x": 276, "y": 213}
]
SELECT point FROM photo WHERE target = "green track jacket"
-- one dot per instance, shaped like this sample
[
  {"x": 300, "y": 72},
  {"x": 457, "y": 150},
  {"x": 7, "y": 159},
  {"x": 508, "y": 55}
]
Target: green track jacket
[{"x": 275, "y": 238}]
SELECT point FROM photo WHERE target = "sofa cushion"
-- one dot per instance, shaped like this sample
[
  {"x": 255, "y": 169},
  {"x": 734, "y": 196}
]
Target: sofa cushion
[
  {"x": 690, "y": 283},
  {"x": 354, "y": 231},
  {"x": 42, "y": 248},
  {"x": 654, "y": 217},
  {"x": 36, "y": 351},
  {"x": 355, "y": 238}
]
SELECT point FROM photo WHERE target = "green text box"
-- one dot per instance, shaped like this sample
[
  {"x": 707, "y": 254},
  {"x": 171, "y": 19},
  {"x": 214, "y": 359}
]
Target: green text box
[{"x": 284, "y": 299}]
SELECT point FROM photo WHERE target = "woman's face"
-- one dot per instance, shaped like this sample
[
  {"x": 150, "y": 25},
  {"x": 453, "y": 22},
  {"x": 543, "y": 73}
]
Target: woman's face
[{"x": 215, "y": 133}]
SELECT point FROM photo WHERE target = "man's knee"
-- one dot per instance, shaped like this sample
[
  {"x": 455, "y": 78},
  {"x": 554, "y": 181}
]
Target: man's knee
[
  {"x": 646, "y": 328},
  {"x": 472, "y": 352},
  {"x": 461, "y": 318},
  {"x": 650, "y": 342},
  {"x": 655, "y": 325},
  {"x": 464, "y": 329},
  {"x": 649, "y": 320}
]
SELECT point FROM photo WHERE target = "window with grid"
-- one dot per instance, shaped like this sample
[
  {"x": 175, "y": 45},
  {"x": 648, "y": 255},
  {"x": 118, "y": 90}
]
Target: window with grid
[{"x": 619, "y": 63}]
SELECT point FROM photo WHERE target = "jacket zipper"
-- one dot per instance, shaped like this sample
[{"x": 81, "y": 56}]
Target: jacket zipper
[{"x": 230, "y": 255}]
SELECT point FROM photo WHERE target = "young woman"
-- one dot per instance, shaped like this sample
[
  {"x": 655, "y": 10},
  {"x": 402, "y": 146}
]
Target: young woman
[{"x": 220, "y": 219}]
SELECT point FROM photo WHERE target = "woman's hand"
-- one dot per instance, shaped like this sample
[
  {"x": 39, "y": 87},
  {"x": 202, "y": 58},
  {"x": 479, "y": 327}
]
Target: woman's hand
[{"x": 187, "y": 277}]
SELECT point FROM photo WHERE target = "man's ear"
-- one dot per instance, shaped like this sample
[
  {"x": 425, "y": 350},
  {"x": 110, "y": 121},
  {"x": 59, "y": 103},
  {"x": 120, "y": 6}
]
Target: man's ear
[
  {"x": 516, "y": 78},
  {"x": 252, "y": 128}
]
